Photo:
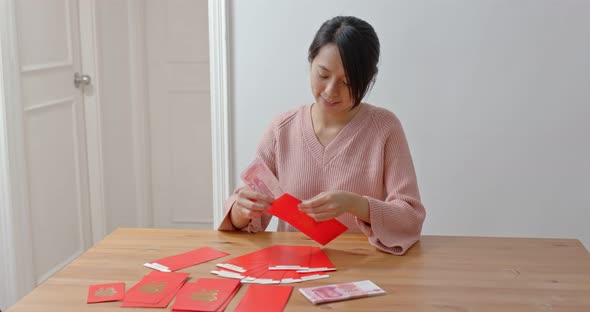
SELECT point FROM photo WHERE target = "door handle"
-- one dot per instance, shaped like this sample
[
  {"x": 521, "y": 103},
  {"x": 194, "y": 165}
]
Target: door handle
[{"x": 81, "y": 80}]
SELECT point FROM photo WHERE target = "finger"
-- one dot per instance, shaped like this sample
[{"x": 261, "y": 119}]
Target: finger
[
  {"x": 325, "y": 207},
  {"x": 247, "y": 212},
  {"x": 315, "y": 201},
  {"x": 246, "y": 192},
  {"x": 322, "y": 216},
  {"x": 250, "y": 205},
  {"x": 250, "y": 214}
]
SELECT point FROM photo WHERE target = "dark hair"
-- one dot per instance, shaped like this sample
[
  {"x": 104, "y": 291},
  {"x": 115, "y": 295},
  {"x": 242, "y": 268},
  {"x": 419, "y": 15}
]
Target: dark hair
[{"x": 358, "y": 45}]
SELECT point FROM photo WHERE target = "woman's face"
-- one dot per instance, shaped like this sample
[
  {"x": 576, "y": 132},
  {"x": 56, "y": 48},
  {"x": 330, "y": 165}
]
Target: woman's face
[{"x": 328, "y": 82}]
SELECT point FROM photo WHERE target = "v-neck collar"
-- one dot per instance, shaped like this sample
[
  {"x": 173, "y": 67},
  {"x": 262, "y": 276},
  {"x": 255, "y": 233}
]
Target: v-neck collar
[{"x": 324, "y": 154}]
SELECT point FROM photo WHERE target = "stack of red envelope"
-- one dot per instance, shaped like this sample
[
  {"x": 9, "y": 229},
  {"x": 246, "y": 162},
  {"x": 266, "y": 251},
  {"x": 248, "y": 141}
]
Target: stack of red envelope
[
  {"x": 185, "y": 260},
  {"x": 279, "y": 264},
  {"x": 155, "y": 290},
  {"x": 206, "y": 294}
]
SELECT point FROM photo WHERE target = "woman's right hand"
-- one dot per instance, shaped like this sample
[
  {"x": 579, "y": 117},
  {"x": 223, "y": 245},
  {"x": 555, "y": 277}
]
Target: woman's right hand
[{"x": 249, "y": 205}]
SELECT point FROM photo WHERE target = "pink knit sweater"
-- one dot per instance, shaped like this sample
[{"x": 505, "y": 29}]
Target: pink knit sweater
[{"x": 370, "y": 156}]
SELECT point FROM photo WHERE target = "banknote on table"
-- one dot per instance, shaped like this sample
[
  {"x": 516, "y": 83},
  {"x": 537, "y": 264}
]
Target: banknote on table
[
  {"x": 259, "y": 178},
  {"x": 338, "y": 292}
]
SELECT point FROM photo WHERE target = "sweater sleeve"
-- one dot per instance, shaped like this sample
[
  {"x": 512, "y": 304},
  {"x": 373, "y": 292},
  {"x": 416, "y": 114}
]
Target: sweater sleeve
[
  {"x": 266, "y": 152},
  {"x": 396, "y": 222}
]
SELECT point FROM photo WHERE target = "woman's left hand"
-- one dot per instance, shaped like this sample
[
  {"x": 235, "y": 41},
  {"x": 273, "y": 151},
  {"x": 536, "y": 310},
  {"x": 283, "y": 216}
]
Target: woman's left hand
[{"x": 329, "y": 205}]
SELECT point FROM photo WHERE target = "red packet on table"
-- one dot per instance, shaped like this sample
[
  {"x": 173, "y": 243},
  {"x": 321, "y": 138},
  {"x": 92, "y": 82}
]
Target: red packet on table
[
  {"x": 248, "y": 261},
  {"x": 162, "y": 304},
  {"x": 270, "y": 298},
  {"x": 106, "y": 292},
  {"x": 337, "y": 292},
  {"x": 155, "y": 289},
  {"x": 290, "y": 257},
  {"x": 185, "y": 260},
  {"x": 310, "y": 276},
  {"x": 246, "y": 276},
  {"x": 285, "y": 208},
  {"x": 267, "y": 277},
  {"x": 319, "y": 262},
  {"x": 291, "y": 277},
  {"x": 206, "y": 294}
]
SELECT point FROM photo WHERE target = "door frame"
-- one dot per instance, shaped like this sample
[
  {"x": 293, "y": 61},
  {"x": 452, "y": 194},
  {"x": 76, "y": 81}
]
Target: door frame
[
  {"x": 15, "y": 222},
  {"x": 221, "y": 126},
  {"x": 89, "y": 62},
  {"x": 136, "y": 10}
]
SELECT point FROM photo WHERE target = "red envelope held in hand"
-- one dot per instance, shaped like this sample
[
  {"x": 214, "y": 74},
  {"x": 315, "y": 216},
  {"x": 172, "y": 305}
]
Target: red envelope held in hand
[{"x": 285, "y": 208}]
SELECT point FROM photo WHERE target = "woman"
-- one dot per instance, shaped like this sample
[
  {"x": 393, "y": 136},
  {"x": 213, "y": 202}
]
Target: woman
[{"x": 345, "y": 159}]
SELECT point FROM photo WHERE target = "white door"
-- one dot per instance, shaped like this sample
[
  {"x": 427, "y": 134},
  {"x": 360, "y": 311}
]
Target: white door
[
  {"x": 54, "y": 137},
  {"x": 180, "y": 116}
]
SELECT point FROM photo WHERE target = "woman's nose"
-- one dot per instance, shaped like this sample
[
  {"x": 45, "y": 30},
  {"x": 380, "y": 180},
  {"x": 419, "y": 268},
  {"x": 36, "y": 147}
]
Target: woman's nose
[{"x": 331, "y": 90}]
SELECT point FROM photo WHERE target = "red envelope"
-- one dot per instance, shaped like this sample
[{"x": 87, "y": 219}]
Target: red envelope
[
  {"x": 162, "y": 304},
  {"x": 187, "y": 259},
  {"x": 265, "y": 297},
  {"x": 154, "y": 288},
  {"x": 320, "y": 261},
  {"x": 285, "y": 208},
  {"x": 291, "y": 277},
  {"x": 106, "y": 292},
  {"x": 256, "y": 272},
  {"x": 248, "y": 261},
  {"x": 270, "y": 277},
  {"x": 290, "y": 257},
  {"x": 310, "y": 276},
  {"x": 206, "y": 294}
]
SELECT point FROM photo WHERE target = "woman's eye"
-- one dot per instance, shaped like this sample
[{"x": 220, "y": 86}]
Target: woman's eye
[{"x": 323, "y": 76}]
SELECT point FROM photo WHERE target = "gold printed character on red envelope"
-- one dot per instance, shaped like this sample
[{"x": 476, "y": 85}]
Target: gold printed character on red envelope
[
  {"x": 205, "y": 295},
  {"x": 105, "y": 292},
  {"x": 153, "y": 287}
]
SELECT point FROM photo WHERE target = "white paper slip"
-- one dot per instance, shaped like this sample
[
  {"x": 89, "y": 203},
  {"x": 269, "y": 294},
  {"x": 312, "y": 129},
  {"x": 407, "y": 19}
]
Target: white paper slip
[
  {"x": 231, "y": 267},
  {"x": 310, "y": 270},
  {"x": 314, "y": 277},
  {"x": 287, "y": 268},
  {"x": 227, "y": 274},
  {"x": 157, "y": 267}
]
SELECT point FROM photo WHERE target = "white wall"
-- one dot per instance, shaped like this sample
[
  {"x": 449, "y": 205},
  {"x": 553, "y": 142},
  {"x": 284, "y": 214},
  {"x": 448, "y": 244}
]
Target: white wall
[{"x": 494, "y": 97}]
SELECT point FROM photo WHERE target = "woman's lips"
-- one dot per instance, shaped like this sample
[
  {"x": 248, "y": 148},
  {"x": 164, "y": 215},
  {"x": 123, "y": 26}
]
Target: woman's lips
[{"x": 329, "y": 103}]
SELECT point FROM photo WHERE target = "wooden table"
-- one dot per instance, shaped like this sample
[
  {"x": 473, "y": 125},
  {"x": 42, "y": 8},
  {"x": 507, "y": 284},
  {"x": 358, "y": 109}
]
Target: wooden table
[{"x": 438, "y": 274}]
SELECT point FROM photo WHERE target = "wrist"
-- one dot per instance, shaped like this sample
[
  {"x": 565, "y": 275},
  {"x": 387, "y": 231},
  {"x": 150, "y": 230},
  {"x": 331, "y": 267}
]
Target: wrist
[{"x": 360, "y": 208}]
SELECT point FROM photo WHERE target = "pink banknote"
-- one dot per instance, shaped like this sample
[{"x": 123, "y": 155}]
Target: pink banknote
[
  {"x": 337, "y": 292},
  {"x": 259, "y": 178}
]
